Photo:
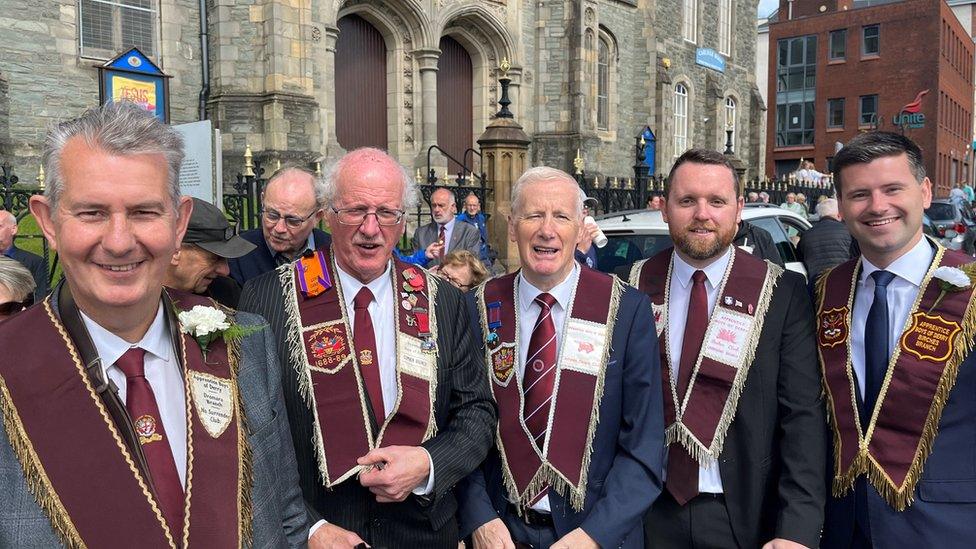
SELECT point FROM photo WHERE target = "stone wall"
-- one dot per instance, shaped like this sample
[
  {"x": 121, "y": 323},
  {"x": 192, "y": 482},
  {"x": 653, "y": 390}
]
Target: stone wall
[{"x": 43, "y": 79}]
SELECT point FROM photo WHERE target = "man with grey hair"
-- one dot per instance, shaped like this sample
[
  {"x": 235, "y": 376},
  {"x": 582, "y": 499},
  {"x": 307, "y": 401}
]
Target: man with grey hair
[
  {"x": 444, "y": 227},
  {"x": 292, "y": 205},
  {"x": 386, "y": 395},
  {"x": 174, "y": 440},
  {"x": 573, "y": 364},
  {"x": 826, "y": 244},
  {"x": 33, "y": 262}
]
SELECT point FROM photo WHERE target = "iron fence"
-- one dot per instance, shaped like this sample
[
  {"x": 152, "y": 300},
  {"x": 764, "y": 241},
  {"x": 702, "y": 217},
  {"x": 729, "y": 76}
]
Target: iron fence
[{"x": 16, "y": 200}]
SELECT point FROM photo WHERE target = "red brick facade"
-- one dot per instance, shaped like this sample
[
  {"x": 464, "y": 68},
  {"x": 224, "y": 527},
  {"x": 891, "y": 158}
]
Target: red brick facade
[{"x": 922, "y": 47}]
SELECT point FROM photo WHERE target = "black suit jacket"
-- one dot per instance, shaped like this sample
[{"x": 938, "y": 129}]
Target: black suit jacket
[
  {"x": 260, "y": 260},
  {"x": 465, "y": 415},
  {"x": 772, "y": 464},
  {"x": 38, "y": 268}
]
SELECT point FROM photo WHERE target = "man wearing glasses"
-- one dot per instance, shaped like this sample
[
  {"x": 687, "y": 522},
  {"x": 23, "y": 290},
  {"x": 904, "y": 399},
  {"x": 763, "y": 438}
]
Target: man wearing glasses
[
  {"x": 291, "y": 208},
  {"x": 387, "y": 399}
]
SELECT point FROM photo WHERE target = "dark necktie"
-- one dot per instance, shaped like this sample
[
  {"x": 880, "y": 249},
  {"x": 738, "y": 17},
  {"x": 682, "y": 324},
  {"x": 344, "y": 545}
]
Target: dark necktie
[
  {"x": 682, "y": 469},
  {"x": 442, "y": 238},
  {"x": 540, "y": 370},
  {"x": 364, "y": 338},
  {"x": 140, "y": 401},
  {"x": 876, "y": 344}
]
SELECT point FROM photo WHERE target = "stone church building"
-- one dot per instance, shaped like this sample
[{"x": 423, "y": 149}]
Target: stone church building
[{"x": 298, "y": 80}]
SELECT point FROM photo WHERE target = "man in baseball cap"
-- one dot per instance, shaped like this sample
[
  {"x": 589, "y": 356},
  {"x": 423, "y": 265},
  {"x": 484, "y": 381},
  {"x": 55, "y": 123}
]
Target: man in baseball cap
[{"x": 200, "y": 265}]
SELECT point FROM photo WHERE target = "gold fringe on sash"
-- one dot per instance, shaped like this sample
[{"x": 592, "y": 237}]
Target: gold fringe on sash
[
  {"x": 678, "y": 432},
  {"x": 547, "y": 475},
  {"x": 34, "y": 475},
  {"x": 244, "y": 453},
  {"x": 899, "y": 497}
]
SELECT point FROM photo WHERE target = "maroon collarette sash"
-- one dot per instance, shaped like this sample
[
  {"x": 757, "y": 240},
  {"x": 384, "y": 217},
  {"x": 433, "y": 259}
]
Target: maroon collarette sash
[
  {"x": 921, "y": 373},
  {"x": 79, "y": 468},
  {"x": 328, "y": 365},
  {"x": 584, "y": 347},
  {"x": 701, "y": 419}
]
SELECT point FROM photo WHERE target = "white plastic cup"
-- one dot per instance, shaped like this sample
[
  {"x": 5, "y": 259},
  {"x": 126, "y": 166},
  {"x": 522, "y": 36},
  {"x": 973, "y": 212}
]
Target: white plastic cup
[{"x": 600, "y": 239}]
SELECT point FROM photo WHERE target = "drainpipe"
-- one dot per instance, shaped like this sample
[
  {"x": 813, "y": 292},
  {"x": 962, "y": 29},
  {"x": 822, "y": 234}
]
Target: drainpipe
[{"x": 204, "y": 61}]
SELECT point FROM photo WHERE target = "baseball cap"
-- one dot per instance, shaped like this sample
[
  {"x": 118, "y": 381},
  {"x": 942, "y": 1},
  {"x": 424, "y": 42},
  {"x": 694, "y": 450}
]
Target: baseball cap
[
  {"x": 591, "y": 202},
  {"x": 210, "y": 230}
]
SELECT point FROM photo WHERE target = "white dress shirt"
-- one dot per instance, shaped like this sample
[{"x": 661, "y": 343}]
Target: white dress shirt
[
  {"x": 679, "y": 294},
  {"x": 162, "y": 372},
  {"x": 528, "y": 314},
  {"x": 448, "y": 233},
  {"x": 909, "y": 270}
]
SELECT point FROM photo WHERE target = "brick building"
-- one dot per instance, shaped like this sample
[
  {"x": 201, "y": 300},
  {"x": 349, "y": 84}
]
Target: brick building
[
  {"x": 301, "y": 79},
  {"x": 839, "y": 67}
]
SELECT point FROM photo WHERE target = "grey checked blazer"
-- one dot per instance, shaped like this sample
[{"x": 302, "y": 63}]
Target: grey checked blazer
[{"x": 279, "y": 519}]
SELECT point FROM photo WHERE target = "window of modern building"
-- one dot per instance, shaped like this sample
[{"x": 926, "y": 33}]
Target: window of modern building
[
  {"x": 796, "y": 78},
  {"x": 690, "y": 21},
  {"x": 838, "y": 45},
  {"x": 725, "y": 26},
  {"x": 107, "y": 27},
  {"x": 729, "y": 120},
  {"x": 871, "y": 40},
  {"x": 603, "y": 85},
  {"x": 869, "y": 110},
  {"x": 835, "y": 113},
  {"x": 680, "y": 119}
]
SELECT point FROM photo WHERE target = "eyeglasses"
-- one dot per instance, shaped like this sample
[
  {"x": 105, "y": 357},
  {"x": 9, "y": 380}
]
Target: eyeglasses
[
  {"x": 11, "y": 307},
  {"x": 293, "y": 221},
  {"x": 357, "y": 216}
]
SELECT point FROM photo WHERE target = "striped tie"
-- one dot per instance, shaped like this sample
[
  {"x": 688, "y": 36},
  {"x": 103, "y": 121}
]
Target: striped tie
[{"x": 540, "y": 371}]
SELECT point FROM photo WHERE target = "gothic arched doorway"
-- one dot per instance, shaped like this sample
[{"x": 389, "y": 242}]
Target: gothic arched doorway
[
  {"x": 455, "y": 131},
  {"x": 360, "y": 85}
]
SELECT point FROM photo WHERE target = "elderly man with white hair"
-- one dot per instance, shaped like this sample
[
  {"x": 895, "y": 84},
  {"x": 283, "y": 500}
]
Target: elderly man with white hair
[
  {"x": 16, "y": 287},
  {"x": 828, "y": 243},
  {"x": 572, "y": 359}
]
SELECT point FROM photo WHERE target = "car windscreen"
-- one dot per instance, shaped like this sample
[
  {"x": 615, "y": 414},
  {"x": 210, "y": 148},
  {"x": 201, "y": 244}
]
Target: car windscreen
[
  {"x": 626, "y": 249},
  {"x": 940, "y": 211}
]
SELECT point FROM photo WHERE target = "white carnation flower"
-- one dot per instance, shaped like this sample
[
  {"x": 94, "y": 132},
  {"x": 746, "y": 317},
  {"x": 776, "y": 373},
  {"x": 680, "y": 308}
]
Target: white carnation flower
[
  {"x": 953, "y": 276},
  {"x": 201, "y": 321}
]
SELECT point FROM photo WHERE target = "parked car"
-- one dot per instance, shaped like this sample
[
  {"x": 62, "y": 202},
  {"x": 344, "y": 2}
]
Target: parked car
[
  {"x": 954, "y": 224},
  {"x": 639, "y": 234}
]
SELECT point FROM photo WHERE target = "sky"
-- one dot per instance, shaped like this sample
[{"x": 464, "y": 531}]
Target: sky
[{"x": 767, "y": 6}]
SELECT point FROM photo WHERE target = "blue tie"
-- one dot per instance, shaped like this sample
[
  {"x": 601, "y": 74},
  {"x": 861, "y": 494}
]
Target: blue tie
[{"x": 876, "y": 344}]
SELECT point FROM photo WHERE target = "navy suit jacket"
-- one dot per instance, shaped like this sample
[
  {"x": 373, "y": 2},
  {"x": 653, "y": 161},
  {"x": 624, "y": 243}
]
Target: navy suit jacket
[
  {"x": 38, "y": 268},
  {"x": 260, "y": 260},
  {"x": 943, "y": 514},
  {"x": 628, "y": 449}
]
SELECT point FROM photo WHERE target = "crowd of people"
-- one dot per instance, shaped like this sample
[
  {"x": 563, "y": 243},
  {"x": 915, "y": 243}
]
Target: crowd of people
[{"x": 352, "y": 398}]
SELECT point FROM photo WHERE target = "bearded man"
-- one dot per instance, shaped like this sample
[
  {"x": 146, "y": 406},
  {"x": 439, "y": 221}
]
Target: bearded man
[{"x": 743, "y": 413}]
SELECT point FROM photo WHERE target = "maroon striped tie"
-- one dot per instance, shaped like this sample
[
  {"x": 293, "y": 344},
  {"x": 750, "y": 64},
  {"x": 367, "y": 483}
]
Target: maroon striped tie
[
  {"x": 140, "y": 401},
  {"x": 540, "y": 371},
  {"x": 364, "y": 339},
  {"x": 682, "y": 469}
]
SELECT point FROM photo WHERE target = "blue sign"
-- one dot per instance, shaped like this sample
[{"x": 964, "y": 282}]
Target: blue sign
[
  {"x": 707, "y": 57},
  {"x": 132, "y": 77}
]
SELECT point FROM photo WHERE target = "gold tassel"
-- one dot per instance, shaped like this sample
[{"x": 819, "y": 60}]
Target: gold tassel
[{"x": 34, "y": 475}]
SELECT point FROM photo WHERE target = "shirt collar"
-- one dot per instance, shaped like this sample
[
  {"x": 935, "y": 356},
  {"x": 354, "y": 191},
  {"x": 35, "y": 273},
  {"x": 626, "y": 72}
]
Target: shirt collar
[
  {"x": 911, "y": 266},
  {"x": 447, "y": 226},
  {"x": 309, "y": 245},
  {"x": 714, "y": 272},
  {"x": 111, "y": 347},
  {"x": 562, "y": 292},
  {"x": 351, "y": 286}
]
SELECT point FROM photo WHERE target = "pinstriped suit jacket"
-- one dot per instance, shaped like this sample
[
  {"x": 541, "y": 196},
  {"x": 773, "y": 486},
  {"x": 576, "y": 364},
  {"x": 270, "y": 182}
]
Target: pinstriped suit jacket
[
  {"x": 465, "y": 415},
  {"x": 279, "y": 518}
]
